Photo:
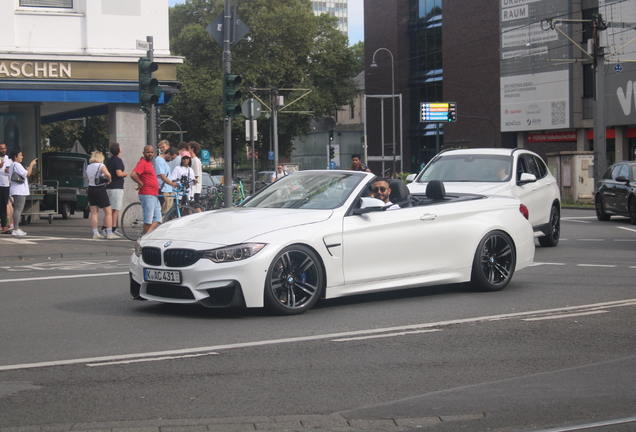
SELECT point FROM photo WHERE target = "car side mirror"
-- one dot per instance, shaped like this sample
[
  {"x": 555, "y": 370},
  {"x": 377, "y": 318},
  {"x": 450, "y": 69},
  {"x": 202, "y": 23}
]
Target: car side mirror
[
  {"x": 622, "y": 179},
  {"x": 411, "y": 178},
  {"x": 527, "y": 178},
  {"x": 368, "y": 205}
]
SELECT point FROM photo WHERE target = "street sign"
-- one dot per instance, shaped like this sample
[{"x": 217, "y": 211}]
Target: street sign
[
  {"x": 438, "y": 112},
  {"x": 205, "y": 157},
  {"x": 251, "y": 128},
  {"x": 215, "y": 29},
  {"x": 143, "y": 45},
  {"x": 270, "y": 155},
  {"x": 251, "y": 108}
]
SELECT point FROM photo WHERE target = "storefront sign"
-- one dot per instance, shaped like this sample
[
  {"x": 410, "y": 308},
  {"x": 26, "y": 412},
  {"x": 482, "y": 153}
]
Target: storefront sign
[
  {"x": 551, "y": 137},
  {"x": 21, "y": 69}
]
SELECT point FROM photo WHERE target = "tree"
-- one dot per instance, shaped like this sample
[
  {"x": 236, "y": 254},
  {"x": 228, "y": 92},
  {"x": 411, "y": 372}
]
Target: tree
[
  {"x": 358, "y": 53},
  {"x": 288, "y": 47},
  {"x": 92, "y": 132}
]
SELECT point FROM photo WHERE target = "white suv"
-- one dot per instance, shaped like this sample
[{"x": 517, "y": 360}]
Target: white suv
[{"x": 516, "y": 172}]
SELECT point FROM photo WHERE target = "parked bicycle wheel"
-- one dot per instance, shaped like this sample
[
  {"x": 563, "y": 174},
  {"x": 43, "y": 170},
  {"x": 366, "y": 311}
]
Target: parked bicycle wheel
[
  {"x": 174, "y": 213},
  {"x": 132, "y": 221}
]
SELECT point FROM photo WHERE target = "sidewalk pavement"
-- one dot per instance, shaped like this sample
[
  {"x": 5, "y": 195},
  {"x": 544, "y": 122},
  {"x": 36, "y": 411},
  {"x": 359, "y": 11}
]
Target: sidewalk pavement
[{"x": 71, "y": 238}]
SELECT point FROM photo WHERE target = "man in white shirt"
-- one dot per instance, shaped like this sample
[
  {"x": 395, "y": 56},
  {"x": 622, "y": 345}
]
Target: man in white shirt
[
  {"x": 5, "y": 163},
  {"x": 382, "y": 191}
]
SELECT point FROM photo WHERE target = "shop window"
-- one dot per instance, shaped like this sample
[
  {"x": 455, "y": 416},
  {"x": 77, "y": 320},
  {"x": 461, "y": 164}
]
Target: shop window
[{"x": 66, "y": 4}]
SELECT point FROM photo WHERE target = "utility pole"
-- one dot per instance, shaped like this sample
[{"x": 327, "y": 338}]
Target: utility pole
[
  {"x": 600, "y": 144},
  {"x": 275, "y": 121},
  {"x": 227, "y": 121},
  {"x": 151, "y": 124}
]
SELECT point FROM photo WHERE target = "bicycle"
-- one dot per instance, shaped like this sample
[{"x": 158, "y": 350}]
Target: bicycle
[{"x": 132, "y": 218}]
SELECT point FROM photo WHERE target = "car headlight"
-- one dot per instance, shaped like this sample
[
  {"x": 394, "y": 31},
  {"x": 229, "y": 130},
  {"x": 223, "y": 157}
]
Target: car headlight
[
  {"x": 233, "y": 253},
  {"x": 138, "y": 248}
]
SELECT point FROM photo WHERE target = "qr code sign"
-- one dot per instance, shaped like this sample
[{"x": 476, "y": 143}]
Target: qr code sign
[{"x": 558, "y": 113}]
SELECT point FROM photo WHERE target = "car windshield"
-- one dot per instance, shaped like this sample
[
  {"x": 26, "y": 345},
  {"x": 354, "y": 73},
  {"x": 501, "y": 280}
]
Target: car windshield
[
  {"x": 308, "y": 190},
  {"x": 207, "y": 180},
  {"x": 468, "y": 168}
]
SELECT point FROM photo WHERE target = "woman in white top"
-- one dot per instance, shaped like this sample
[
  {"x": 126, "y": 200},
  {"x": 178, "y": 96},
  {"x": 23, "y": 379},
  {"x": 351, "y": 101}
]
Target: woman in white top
[
  {"x": 98, "y": 197},
  {"x": 19, "y": 190},
  {"x": 185, "y": 170}
]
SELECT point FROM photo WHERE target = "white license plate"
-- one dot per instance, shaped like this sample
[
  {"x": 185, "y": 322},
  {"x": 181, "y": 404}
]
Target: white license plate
[{"x": 167, "y": 276}]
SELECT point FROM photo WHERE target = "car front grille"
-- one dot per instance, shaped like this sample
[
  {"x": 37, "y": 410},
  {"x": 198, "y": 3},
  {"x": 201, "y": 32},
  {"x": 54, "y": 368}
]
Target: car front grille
[
  {"x": 151, "y": 256},
  {"x": 181, "y": 257},
  {"x": 169, "y": 291}
]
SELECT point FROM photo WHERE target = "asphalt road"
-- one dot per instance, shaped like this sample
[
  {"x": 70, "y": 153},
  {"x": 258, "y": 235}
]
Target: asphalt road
[{"x": 557, "y": 346}]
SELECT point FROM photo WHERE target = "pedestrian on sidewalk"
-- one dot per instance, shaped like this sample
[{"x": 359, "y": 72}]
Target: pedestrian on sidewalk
[
  {"x": 97, "y": 196},
  {"x": 197, "y": 167},
  {"x": 115, "y": 189},
  {"x": 19, "y": 188},
  {"x": 5, "y": 184},
  {"x": 163, "y": 177},
  {"x": 148, "y": 186}
]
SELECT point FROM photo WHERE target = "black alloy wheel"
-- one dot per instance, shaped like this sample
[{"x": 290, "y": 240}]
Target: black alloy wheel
[
  {"x": 494, "y": 262},
  {"x": 295, "y": 281},
  {"x": 600, "y": 209},
  {"x": 551, "y": 239}
]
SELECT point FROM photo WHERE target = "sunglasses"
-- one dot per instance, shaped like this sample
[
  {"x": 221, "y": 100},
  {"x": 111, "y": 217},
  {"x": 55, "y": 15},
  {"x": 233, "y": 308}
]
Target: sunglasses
[{"x": 379, "y": 189}]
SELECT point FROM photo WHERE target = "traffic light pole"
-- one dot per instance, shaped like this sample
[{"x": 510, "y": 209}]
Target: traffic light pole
[
  {"x": 152, "y": 114},
  {"x": 227, "y": 122}
]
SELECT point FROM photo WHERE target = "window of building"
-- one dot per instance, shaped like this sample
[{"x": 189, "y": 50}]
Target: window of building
[
  {"x": 66, "y": 4},
  {"x": 352, "y": 112}
]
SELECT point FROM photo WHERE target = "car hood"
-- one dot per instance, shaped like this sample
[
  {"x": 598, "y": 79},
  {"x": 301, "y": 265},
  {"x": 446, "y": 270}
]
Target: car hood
[
  {"x": 235, "y": 225},
  {"x": 483, "y": 188}
]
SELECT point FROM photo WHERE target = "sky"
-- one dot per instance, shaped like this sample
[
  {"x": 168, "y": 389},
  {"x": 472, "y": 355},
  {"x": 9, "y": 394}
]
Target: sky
[{"x": 356, "y": 19}]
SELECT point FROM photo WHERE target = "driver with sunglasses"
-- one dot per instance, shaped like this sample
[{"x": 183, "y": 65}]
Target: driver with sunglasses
[{"x": 381, "y": 190}]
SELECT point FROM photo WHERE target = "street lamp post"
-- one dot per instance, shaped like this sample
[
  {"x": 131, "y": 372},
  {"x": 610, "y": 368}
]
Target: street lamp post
[{"x": 374, "y": 64}]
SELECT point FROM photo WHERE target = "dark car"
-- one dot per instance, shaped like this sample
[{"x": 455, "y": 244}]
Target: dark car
[{"x": 616, "y": 192}]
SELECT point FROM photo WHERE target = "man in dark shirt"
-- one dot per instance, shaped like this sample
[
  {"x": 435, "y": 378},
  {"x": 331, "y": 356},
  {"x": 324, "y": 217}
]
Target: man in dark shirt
[
  {"x": 115, "y": 188},
  {"x": 357, "y": 165}
]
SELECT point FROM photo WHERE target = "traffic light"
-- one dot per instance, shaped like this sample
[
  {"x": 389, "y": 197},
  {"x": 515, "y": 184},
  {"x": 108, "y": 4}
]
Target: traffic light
[
  {"x": 331, "y": 135},
  {"x": 332, "y": 152},
  {"x": 149, "y": 91},
  {"x": 231, "y": 95}
]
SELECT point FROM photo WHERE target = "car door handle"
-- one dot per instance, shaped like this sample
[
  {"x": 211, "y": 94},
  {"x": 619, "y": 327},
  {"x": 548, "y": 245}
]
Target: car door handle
[{"x": 428, "y": 217}]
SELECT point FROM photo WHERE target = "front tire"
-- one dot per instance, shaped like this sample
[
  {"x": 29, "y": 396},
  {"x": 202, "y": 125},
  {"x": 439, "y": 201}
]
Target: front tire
[
  {"x": 551, "y": 239},
  {"x": 631, "y": 208},
  {"x": 494, "y": 262},
  {"x": 65, "y": 211},
  {"x": 600, "y": 209},
  {"x": 295, "y": 281},
  {"x": 132, "y": 221}
]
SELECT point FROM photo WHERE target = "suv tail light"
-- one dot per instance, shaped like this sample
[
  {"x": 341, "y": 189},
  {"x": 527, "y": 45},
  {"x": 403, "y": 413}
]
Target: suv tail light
[{"x": 524, "y": 211}]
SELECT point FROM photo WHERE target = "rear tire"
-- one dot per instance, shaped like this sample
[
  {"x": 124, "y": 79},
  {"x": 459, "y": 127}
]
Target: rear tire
[
  {"x": 494, "y": 262},
  {"x": 132, "y": 221},
  {"x": 600, "y": 209},
  {"x": 184, "y": 210},
  {"x": 551, "y": 239}
]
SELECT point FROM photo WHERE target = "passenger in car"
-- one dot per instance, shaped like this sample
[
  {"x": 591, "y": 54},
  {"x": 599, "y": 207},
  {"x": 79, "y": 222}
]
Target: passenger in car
[{"x": 381, "y": 190}]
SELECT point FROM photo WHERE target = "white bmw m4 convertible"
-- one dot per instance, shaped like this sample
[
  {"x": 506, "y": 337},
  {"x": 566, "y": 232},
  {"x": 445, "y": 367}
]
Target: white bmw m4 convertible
[{"x": 319, "y": 234}]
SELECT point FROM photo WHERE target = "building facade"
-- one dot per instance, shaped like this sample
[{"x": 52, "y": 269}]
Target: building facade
[
  {"x": 519, "y": 72},
  {"x": 63, "y": 59},
  {"x": 335, "y": 8}
]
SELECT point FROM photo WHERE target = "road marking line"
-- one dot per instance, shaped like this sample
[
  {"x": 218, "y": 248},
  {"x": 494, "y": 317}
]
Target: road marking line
[
  {"x": 593, "y": 425},
  {"x": 617, "y": 303},
  {"x": 61, "y": 277},
  {"x": 596, "y": 265},
  {"x": 574, "y": 218},
  {"x": 627, "y": 229},
  {"x": 599, "y": 240},
  {"x": 577, "y": 221},
  {"x": 542, "y": 263},
  {"x": 565, "y": 315},
  {"x": 625, "y": 240},
  {"x": 151, "y": 359},
  {"x": 385, "y": 335}
]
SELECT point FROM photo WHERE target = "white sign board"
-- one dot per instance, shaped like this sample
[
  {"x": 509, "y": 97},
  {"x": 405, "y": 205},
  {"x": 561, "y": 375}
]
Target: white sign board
[{"x": 535, "y": 101}]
